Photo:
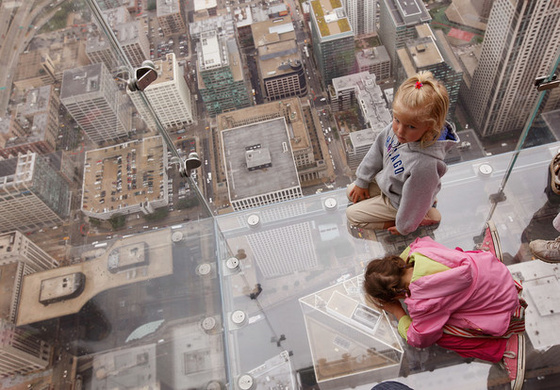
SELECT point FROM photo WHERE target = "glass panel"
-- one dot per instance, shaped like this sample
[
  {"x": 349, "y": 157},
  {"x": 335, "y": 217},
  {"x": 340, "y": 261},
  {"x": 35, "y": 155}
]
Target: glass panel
[{"x": 299, "y": 260}]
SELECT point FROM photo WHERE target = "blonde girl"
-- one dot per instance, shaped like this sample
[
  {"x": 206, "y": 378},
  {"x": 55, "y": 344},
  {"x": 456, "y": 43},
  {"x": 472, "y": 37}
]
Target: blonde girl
[{"x": 398, "y": 179}]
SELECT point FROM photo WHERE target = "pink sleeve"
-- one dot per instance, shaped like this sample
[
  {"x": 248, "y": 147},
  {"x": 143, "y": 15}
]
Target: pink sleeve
[{"x": 427, "y": 324}]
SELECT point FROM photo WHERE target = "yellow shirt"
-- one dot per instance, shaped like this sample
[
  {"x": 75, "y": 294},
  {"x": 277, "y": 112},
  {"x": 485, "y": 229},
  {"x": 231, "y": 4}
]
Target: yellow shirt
[{"x": 423, "y": 266}]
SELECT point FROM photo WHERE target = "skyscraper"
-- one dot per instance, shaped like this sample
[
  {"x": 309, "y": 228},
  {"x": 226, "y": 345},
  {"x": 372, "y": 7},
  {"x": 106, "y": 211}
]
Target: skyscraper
[
  {"x": 170, "y": 17},
  {"x": 259, "y": 164},
  {"x": 169, "y": 96},
  {"x": 220, "y": 74},
  {"x": 92, "y": 97},
  {"x": 32, "y": 194},
  {"x": 333, "y": 40},
  {"x": 397, "y": 23},
  {"x": 132, "y": 39},
  {"x": 431, "y": 52},
  {"x": 19, "y": 256},
  {"x": 307, "y": 154},
  {"x": 362, "y": 15},
  {"x": 16, "y": 247},
  {"x": 520, "y": 44},
  {"x": 34, "y": 127},
  {"x": 20, "y": 351},
  {"x": 375, "y": 60},
  {"x": 281, "y": 72}
]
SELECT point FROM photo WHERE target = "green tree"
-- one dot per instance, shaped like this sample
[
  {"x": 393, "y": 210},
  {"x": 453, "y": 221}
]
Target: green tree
[
  {"x": 187, "y": 203},
  {"x": 94, "y": 222},
  {"x": 157, "y": 215},
  {"x": 117, "y": 221}
]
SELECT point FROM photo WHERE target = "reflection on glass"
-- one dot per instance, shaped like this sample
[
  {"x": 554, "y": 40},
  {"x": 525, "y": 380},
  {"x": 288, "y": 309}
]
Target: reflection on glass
[{"x": 349, "y": 339}]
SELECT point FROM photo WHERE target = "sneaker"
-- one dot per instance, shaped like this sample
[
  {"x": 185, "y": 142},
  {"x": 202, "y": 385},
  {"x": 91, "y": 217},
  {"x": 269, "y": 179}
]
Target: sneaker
[
  {"x": 354, "y": 231},
  {"x": 514, "y": 360},
  {"x": 544, "y": 250},
  {"x": 491, "y": 241},
  {"x": 362, "y": 233}
]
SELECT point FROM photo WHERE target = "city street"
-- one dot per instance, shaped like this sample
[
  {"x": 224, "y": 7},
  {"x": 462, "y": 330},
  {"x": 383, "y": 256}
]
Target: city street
[{"x": 16, "y": 36}]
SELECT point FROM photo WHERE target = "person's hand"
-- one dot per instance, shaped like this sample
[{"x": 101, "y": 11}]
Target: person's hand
[
  {"x": 358, "y": 193},
  {"x": 395, "y": 308},
  {"x": 393, "y": 230}
]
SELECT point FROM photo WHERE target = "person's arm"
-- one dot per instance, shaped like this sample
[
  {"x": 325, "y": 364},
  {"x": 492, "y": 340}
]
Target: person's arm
[
  {"x": 425, "y": 330},
  {"x": 418, "y": 193},
  {"x": 372, "y": 162},
  {"x": 396, "y": 309}
]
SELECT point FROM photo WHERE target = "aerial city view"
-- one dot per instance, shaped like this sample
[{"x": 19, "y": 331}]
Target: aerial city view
[{"x": 173, "y": 179}]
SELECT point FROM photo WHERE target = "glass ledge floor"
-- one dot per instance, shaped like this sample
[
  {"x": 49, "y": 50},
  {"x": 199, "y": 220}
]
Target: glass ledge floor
[
  {"x": 271, "y": 297},
  {"x": 302, "y": 251}
]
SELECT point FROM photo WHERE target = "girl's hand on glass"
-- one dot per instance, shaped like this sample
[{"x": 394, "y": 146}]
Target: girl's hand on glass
[
  {"x": 359, "y": 193},
  {"x": 395, "y": 308}
]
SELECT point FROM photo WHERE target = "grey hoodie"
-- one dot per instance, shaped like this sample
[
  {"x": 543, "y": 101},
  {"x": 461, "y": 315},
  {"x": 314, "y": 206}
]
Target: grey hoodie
[{"x": 407, "y": 174}]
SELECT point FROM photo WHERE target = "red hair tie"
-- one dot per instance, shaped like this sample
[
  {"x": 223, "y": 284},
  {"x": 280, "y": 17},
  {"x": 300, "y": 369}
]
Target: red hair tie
[{"x": 419, "y": 85}]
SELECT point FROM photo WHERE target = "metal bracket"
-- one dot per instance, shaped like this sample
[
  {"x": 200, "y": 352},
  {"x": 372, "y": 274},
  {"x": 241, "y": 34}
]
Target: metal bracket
[
  {"x": 192, "y": 162},
  {"x": 144, "y": 76},
  {"x": 543, "y": 86}
]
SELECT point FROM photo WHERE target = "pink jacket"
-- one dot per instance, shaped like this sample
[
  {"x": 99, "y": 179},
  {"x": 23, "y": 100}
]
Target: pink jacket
[{"x": 478, "y": 292}]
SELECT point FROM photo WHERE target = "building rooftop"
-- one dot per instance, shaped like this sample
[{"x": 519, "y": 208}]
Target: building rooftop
[
  {"x": 331, "y": 18},
  {"x": 408, "y": 12},
  {"x": 214, "y": 52},
  {"x": 243, "y": 16},
  {"x": 98, "y": 277},
  {"x": 270, "y": 31},
  {"x": 166, "y": 69},
  {"x": 275, "y": 58},
  {"x": 124, "y": 175},
  {"x": 236, "y": 65},
  {"x": 36, "y": 100},
  {"x": 418, "y": 54},
  {"x": 81, "y": 81},
  {"x": 167, "y": 7},
  {"x": 298, "y": 132},
  {"x": 116, "y": 16},
  {"x": 372, "y": 56},
  {"x": 347, "y": 82},
  {"x": 362, "y": 137},
  {"x": 129, "y": 33},
  {"x": 96, "y": 43},
  {"x": 222, "y": 23},
  {"x": 204, "y": 4},
  {"x": 243, "y": 143}
]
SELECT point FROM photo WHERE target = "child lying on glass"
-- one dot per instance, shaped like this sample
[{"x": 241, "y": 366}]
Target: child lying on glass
[{"x": 465, "y": 301}]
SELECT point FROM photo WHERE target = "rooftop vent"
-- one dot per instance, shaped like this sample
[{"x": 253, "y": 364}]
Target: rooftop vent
[{"x": 257, "y": 157}]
